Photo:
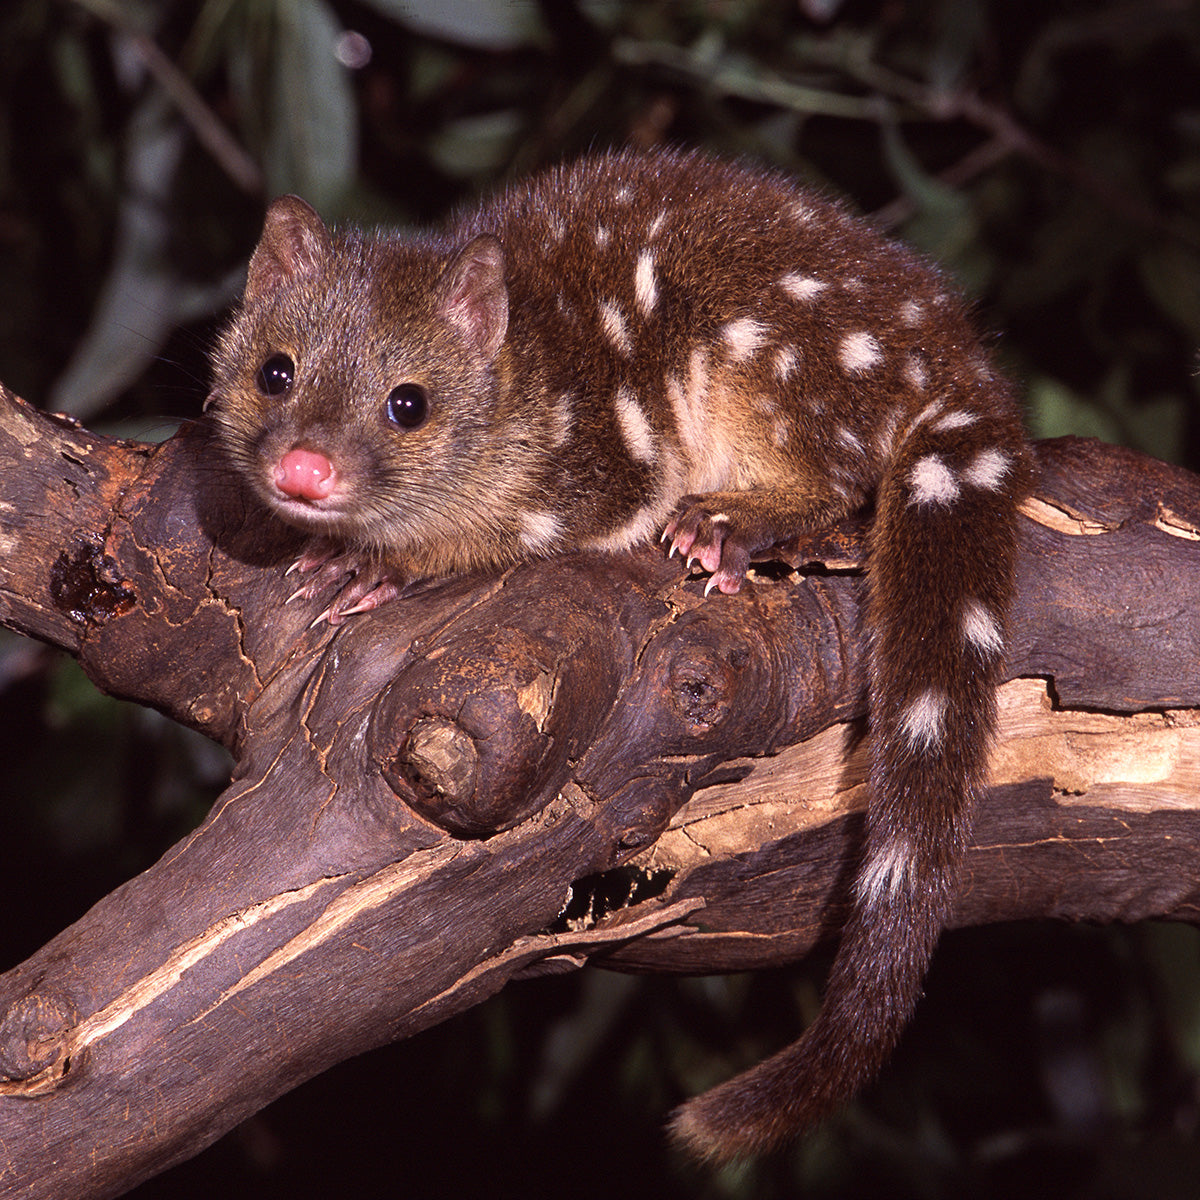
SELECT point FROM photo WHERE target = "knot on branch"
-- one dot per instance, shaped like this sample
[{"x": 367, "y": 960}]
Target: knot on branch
[
  {"x": 33, "y": 1039},
  {"x": 476, "y": 738}
]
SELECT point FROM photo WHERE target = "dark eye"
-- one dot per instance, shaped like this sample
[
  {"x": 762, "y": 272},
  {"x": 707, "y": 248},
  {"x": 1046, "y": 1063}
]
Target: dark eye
[
  {"x": 407, "y": 405},
  {"x": 276, "y": 375}
]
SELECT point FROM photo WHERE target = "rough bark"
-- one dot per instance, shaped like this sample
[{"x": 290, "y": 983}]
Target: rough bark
[{"x": 417, "y": 791}]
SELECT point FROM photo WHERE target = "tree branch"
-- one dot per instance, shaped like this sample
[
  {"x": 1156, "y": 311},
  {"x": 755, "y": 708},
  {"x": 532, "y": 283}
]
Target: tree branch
[{"x": 418, "y": 791}]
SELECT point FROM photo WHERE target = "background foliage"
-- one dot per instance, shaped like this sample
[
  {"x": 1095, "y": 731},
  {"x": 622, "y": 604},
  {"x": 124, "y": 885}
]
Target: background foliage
[{"x": 1045, "y": 152}]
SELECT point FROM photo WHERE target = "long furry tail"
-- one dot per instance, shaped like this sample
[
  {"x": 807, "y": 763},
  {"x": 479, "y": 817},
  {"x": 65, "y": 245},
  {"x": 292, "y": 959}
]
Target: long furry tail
[{"x": 941, "y": 565}]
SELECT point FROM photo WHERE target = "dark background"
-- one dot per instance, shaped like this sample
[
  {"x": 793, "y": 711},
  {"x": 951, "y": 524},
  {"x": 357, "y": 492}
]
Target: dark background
[{"x": 1046, "y": 153}]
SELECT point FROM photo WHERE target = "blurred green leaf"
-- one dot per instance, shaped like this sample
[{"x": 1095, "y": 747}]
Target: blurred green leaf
[
  {"x": 485, "y": 24},
  {"x": 1172, "y": 276},
  {"x": 137, "y": 307},
  {"x": 475, "y": 146},
  {"x": 312, "y": 143}
]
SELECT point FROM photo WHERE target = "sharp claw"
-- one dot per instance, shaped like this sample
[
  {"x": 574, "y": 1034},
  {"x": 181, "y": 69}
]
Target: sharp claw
[{"x": 330, "y": 614}]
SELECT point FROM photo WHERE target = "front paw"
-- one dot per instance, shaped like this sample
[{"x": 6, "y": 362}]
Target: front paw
[
  {"x": 363, "y": 582},
  {"x": 705, "y": 534}
]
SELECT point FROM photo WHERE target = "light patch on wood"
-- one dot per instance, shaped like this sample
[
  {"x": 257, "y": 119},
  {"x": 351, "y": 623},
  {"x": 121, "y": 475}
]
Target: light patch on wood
[
  {"x": 820, "y": 780},
  {"x": 1141, "y": 762},
  {"x": 536, "y": 698},
  {"x": 1062, "y": 518},
  {"x": 801, "y": 788},
  {"x": 152, "y": 986},
  {"x": 1175, "y": 525},
  {"x": 376, "y": 891}
]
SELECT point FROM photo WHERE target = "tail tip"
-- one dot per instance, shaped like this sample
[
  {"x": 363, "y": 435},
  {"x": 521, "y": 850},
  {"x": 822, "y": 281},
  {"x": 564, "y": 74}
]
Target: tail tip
[{"x": 708, "y": 1135}]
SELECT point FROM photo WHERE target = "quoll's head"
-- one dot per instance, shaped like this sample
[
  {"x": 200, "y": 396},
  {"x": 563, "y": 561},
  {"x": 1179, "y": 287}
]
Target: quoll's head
[{"x": 358, "y": 371}]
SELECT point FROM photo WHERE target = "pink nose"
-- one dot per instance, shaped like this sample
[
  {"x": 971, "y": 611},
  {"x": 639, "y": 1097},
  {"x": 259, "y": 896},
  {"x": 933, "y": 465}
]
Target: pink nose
[{"x": 305, "y": 475}]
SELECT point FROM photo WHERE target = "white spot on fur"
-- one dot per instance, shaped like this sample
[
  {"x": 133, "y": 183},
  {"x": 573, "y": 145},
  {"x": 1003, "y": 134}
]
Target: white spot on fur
[
  {"x": 709, "y": 460},
  {"x": 923, "y": 720},
  {"x": 743, "y": 336},
  {"x": 915, "y": 374},
  {"x": 987, "y": 469},
  {"x": 980, "y": 628},
  {"x": 601, "y": 236},
  {"x": 562, "y": 420},
  {"x": 786, "y": 359},
  {"x": 641, "y": 527},
  {"x": 886, "y": 436},
  {"x": 614, "y": 326},
  {"x": 656, "y": 225},
  {"x": 911, "y": 312},
  {"x": 645, "y": 284},
  {"x": 932, "y": 482},
  {"x": 623, "y": 195},
  {"x": 539, "y": 531},
  {"x": 635, "y": 428},
  {"x": 780, "y": 432},
  {"x": 930, "y": 411},
  {"x": 859, "y": 352},
  {"x": 887, "y": 873},
  {"x": 849, "y": 439},
  {"x": 852, "y": 283},
  {"x": 557, "y": 228},
  {"x": 802, "y": 287},
  {"x": 802, "y": 212},
  {"x": 955, "y": 420}
]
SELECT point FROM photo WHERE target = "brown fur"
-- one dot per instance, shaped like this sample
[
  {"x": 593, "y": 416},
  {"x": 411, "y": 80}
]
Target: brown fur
[{"x": 639, "y": 339}]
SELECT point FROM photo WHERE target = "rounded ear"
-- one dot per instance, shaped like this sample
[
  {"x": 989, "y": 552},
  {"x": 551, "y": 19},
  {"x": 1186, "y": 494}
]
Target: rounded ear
[
  {"x": 294, "y": 242},
  {"x": 472, "y": 295}
]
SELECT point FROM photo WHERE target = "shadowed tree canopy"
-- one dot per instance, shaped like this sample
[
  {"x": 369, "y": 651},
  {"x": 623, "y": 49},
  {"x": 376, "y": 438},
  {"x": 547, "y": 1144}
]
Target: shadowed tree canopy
[{"x": 417, "y": 793}]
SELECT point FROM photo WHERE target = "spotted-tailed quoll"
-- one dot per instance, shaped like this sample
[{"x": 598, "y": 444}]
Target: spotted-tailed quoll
[{"x": 650, "y": 341}]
